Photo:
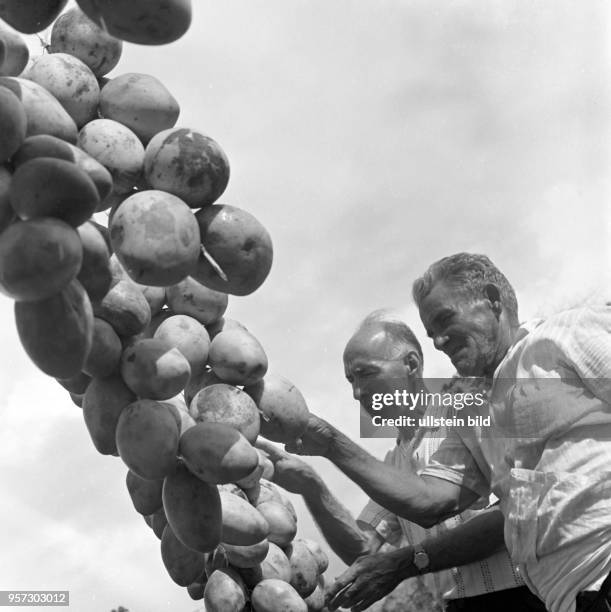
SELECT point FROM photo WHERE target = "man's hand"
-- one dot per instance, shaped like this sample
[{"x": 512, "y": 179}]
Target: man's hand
[
  {"x": 290, "y": 472},
  {"x": 315, "y": 440},
  {"x": 367, "y": 580}
]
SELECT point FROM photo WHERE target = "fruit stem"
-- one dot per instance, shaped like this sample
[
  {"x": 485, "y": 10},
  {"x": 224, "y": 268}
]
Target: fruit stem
[
  {"x": 264, "y": 416},
  {"x": 43, "y": 43},
  {"x": 213, "y": 263}
]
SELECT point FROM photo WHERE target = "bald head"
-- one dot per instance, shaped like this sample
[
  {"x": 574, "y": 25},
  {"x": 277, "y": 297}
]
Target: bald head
[
  {"x": 382, "y": 356},
  {"x": 382, "y": 335}
]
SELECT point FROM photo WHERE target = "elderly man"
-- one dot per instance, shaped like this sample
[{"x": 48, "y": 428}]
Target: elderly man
[
  {"x": 384, "y": 356},
  {"x": 547, "y": 451}
]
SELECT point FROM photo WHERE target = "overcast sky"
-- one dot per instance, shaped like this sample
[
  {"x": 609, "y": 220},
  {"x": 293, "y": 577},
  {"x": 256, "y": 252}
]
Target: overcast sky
[{"x": 370, "y": 139}]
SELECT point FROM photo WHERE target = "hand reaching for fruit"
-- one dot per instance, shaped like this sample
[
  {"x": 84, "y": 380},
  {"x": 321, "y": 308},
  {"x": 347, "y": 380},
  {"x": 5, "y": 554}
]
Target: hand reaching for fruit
[
  {"x": 315, "y": 440},
  {"x": 290, "y": 472}
]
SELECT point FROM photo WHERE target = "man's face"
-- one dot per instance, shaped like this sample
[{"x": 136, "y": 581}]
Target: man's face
[
  {"x": 467, "y": 330},
  {"x": 373, "y": 364}
]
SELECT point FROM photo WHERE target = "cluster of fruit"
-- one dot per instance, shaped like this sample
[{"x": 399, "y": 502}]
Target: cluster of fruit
[{"x": 129, "y": 318}]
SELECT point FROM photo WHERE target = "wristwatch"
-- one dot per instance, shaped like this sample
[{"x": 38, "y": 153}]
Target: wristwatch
[{"x": 421, "y": 559}]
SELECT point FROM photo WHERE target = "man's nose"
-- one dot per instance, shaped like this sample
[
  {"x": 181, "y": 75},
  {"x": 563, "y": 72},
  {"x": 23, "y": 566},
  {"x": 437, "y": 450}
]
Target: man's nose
[{"x": 439, "y": 341}]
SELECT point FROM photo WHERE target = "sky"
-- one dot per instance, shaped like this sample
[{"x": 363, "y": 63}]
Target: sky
[{"x": 370, "y": 139}]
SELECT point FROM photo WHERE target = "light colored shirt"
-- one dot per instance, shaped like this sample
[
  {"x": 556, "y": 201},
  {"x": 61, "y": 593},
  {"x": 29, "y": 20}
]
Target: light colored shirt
[
  {"x": 547, "y": 454},
  {"x": 495, "y": 573}
]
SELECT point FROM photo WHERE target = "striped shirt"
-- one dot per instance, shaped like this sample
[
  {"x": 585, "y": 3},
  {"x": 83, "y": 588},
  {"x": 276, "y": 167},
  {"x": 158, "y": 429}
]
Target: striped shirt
[
  {"x": 547, "y": 455},
  {"x": 495, "y": 573}
]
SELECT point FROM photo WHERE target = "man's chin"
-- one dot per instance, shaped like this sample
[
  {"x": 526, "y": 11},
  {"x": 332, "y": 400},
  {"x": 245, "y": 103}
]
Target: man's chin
[{"x": 466, "y": 367}]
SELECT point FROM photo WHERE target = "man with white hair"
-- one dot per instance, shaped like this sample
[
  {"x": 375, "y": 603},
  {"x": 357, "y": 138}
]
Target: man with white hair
[
  {"x": 547, "y": 452},
  {"x": 472, "y": 570}
]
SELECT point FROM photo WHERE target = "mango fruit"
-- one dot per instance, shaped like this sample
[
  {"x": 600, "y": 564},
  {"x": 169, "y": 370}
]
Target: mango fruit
[
  {"x": 225, "y": 592},
  {"x": 239, "y": 244},
  {"x": 144, "y": 22},
  {"x": 38, "y": 258},
  {"x": 282, "y": 525},
  {"x": 7, "y": 214},
  {"x": 192, "y": 298},
  {"x": 105, "y": 354},
  {"x": 243, "y": 525},
  {"x": 187, "y": 335},
  {"x": 30, "y": 16},
  {"x": 45, "y": 115},
  {"x": 74, "y": 33},
  {"x": 253, "y": 478},
  {"x": 237, "y": 357},
  {"x": 188, "y": 164},
  {"x": 77, "y": 400},
  {"x": 286, "y": 412},
  {"x": 56, "y": 332},
  {"x": 104, "y": 401},
  {"x": 147, "y": 439},
  {"x": 76, "y": 384},
  {"x": 223, "y": 324},
  {"x": 273, "y": 595},
  {"x": 43, "y": 145},
  {"x": 48, "y": 187},
  {"x": 217, "y": 453},
  {"x": 155, "y": 296},
  {"x": 184, "y": 565},
  {"x": 14, "y": 52},
  {"x": 159, "y": 521},
  {"x": 198, "y": 380},
  {"x": 246, "y": 556},
  {"x": 141, "y": 102},
  {"x": 156, "y": 238},
  {"x": 125, "y": 308},
  {"x": 145, "y": 494},
  {"x": 94, "y": 273},
  {"x": 117, "y": 148},
  {"x": 13, "y": 124},
  {"x": 181, "y": 413},
  {"x": 275, "y": 565},
  {"x": 196, "y": 590},
  {"x": 316, "y": 600},
  {"x": 193, "y": 509},
  {"x": 233, "y": 489},
  {"x": 222, "y": 403},
  {"x": 71, "y": 82},
  {"x": 304, "y": 568},
  {"x": 153, "y": 369},
  {"x": 320, "y": 555}
]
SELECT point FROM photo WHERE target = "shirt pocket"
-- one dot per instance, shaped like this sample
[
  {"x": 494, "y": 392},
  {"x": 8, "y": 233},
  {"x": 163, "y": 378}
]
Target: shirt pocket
[{"x": 546, "y": 511}]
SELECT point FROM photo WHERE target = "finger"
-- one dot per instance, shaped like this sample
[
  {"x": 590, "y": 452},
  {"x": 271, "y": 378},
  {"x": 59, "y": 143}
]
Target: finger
[
  {"x": 334, "y": 602},
  {"x": 364, "y": 604},
  {"x": 351, "y": 594},
  {"x": 274, "y": 452},
  {"x": 341, "y": 582}
]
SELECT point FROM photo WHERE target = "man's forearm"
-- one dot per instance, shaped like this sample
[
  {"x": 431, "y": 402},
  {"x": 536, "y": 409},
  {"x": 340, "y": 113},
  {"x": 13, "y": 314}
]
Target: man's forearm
[
  {"x": 475, "y": 540},
  {"x": 337, "y": 525},
  {"x": 422, "y": 501}
]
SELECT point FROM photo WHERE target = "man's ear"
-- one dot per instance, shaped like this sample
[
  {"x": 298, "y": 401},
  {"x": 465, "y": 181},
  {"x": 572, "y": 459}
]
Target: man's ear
[
  {"x": 494, "y": 297},
  {"x": 413, "y": 362}
]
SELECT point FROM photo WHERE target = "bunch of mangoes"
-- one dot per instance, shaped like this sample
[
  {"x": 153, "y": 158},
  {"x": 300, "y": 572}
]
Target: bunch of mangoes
[{"x": 120, "y": 263}]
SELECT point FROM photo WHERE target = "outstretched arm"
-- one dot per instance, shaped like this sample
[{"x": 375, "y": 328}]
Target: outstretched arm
[
  {"x": 374, "y": 576},
  {"x": 421, "y": 499},
  {"x": 335, "y": 522}
]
